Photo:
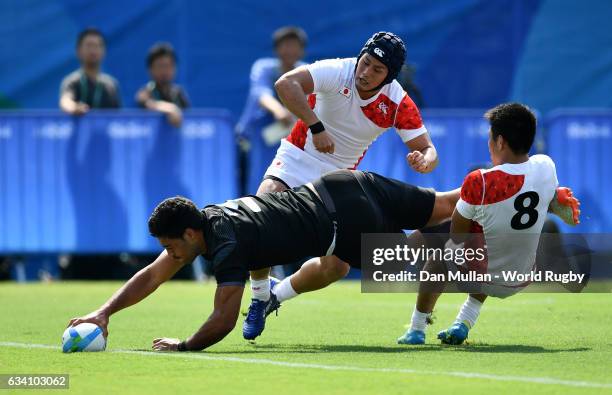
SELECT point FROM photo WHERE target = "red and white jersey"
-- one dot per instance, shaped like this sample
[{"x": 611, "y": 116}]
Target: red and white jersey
[
  {"x": 353, "y": 123},
  {"x": 508, "y": 203}
]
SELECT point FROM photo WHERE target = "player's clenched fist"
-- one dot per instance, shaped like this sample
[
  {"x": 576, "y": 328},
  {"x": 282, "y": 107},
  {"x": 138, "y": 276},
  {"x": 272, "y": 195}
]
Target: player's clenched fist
[
  {"x": 417, "y": 161},
  {"x": 323, "y": 142}
]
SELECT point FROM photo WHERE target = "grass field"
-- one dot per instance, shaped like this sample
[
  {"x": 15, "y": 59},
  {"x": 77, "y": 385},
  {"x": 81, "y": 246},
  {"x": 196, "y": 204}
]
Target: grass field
[{"x": 335, "y": 341}]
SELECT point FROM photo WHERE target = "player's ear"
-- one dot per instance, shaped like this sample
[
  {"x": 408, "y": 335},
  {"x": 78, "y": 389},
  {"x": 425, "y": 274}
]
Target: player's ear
[
  {"x": 189, "y": 234},
  {"x": 500, "y": 142}
]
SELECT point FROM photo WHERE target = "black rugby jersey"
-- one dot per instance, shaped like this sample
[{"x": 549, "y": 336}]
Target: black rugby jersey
[{"x": 254, "y": 232}]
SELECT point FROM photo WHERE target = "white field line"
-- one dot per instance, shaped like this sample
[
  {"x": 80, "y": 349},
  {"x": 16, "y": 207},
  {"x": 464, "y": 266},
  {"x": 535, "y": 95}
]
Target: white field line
[
  {"x": 444, "y": 306},
  {"x": 257, "y": 361}
]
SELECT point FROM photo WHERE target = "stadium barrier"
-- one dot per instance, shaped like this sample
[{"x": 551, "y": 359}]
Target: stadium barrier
[{"x": 88, "y": 184}]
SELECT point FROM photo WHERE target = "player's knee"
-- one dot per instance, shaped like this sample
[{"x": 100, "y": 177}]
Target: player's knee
[
  {"x": 269, "y": 185},
  {"x": 336, "y": 269}
]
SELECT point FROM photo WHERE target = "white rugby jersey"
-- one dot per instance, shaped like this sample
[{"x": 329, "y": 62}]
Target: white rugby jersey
[
  {"x": 508, "y": 203},
  {"x": 353, "y": 123}
]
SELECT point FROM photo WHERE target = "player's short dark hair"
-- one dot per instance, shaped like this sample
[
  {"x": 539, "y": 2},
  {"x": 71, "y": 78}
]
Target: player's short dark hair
[
  {"x": 173, "y": 216},
  {"x": 90, "y": 31},
  {"x": 159, "y": 50},
  {"x": 516, "y": 123},
  {"x": 289, "y": 33}
]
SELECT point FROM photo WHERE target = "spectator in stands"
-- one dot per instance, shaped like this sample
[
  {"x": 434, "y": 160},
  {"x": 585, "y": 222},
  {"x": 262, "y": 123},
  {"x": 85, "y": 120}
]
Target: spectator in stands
[
  {"x": 161, "y": 93},
  {"x": 265, "y": 121},
  {"x": 88, "y": 87}
]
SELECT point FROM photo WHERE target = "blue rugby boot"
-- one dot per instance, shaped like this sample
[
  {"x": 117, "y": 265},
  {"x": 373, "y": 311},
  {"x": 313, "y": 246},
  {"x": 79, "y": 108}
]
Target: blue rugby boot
[
  {"x": 455, "y": 335},
  {"x": 412, "y": 337},
  {"x": 255, "y": 321}
]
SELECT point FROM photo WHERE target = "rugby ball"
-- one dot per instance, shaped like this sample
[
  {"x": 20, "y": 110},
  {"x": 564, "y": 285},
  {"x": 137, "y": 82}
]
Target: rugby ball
[{"x": 83, "y": 337}]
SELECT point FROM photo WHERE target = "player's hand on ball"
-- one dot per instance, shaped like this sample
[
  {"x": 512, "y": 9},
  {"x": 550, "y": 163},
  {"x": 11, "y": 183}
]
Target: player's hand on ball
[
  {"x": 417, "y": 161},
  {"x": 323, "y": 142},
  {"x": 166, "y": 344},
  {"x": 97, "y": 317}
]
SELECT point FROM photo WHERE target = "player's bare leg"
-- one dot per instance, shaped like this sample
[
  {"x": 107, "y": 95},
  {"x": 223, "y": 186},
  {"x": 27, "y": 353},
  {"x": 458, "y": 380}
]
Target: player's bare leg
[
  {"x": 429, "y": 292},
  {"x": 444, "y": 206},
  {"x": 263, "y": 302},
  {"x": 318, "y": 273},
  {"x": 315, "y": 274}
]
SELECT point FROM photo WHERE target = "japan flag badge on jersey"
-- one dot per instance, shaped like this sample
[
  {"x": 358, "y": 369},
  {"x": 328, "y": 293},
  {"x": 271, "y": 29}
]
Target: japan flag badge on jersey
[{"x": 346, "y": 92}]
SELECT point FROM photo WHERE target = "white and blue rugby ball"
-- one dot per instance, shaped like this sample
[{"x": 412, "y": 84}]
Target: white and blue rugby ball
[{"x": 83, "y": 337}]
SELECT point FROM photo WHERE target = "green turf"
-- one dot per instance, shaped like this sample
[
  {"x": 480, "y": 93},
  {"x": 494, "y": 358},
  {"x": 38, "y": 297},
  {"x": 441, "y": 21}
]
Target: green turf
[{"x": 557, "y": 336}]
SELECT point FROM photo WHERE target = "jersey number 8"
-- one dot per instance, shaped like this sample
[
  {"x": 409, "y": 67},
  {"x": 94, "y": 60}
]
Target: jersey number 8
[{"x": 522, "y": 209}]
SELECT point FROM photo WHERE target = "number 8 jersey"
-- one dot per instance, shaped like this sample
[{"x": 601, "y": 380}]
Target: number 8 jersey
[{"x": 508, "y": 203}]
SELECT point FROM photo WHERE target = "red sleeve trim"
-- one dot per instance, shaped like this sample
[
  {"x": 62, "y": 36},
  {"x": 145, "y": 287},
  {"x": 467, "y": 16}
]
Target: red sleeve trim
[
  {"x": 471, "y": 189},
  {"x": 408, "y": 116}
]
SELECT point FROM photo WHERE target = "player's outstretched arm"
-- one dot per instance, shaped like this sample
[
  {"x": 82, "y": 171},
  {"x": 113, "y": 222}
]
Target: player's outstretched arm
[
  {"x": 141, "y": 285},
  {"x": 566, "y": 206},
  {"x": 219, "y": 324}
]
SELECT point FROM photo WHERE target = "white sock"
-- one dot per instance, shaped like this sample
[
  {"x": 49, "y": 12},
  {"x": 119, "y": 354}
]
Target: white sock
[
  {"x": 284, "y": 290},
  {"x": 469, "y": 312},
  {"x": 261, "y": 289},
  {"x": 419, "y": 320}
]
